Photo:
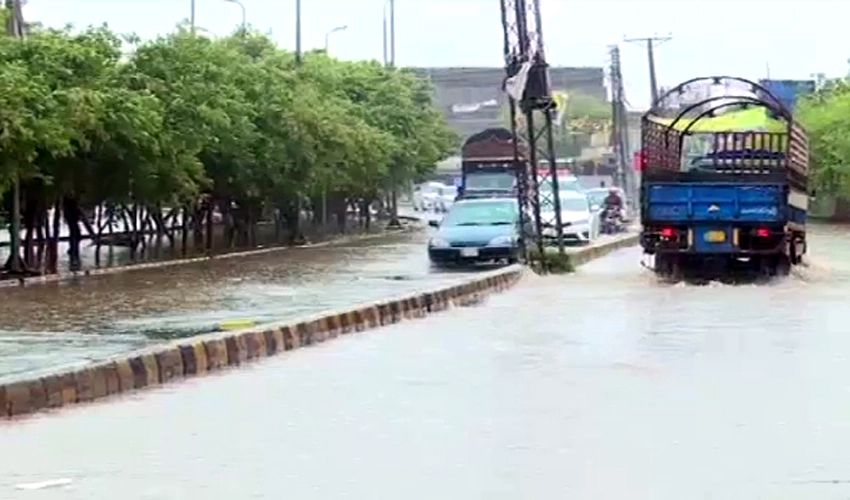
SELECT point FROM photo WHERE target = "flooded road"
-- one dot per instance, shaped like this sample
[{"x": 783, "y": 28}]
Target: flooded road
[
  {"x": 603, "y": 384},
  {"x": 57, "y": 324}
]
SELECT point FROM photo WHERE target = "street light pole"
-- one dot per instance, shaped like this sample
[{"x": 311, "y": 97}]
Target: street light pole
[
  {"x": 331, "y": 32},
  {"x": 241, "y": 6},
  {"x": 394, "y": 222},
  {"x": 298, "y": 32},
  {"x": 392, "y": 33}
]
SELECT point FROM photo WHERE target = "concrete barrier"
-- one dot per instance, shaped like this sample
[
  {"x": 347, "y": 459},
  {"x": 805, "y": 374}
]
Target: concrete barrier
[
  {"x": 212, "y": 352},
  {"x": 597, "y": 250}
]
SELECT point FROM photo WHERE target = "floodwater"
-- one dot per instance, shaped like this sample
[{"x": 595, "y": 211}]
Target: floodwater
[
  {"x": 63, "y": 324},
  {"x": 600, "y": 385}
]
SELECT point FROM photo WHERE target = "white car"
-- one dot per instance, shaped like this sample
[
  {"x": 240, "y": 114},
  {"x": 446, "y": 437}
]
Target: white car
[
  {"x": 425, "y": 196},
  {"x": 446, "y": 198},
  {"x": 579, "y": 223}
]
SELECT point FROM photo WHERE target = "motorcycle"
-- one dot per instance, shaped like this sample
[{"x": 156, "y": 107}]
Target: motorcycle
[{"x": 612, "y": 221}]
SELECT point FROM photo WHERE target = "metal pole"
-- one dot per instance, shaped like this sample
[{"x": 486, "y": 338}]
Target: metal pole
[
  {"x": 653, "y": 81},
  {"x": 392, "y": 33},
  {"x": 298, "y": 31},
  {"x": 192, "y": 15},
  {"x": 650, "y": 55},
  {"x": 331, "y": 32},
  {"x": 385, "y": 36},
  {"x": 244, "y": 13},
  {"x": 394, "y": 222}
]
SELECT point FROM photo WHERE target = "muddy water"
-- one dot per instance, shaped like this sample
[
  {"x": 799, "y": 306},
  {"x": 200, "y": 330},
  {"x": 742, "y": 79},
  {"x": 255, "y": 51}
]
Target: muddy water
[
  {"x": 604, "y": 384},
  {"x": 56, "y": 324}
]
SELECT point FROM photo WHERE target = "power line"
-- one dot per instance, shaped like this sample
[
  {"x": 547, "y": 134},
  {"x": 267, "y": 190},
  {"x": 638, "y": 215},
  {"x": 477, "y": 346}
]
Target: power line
[{"x": 650, "y": 55}]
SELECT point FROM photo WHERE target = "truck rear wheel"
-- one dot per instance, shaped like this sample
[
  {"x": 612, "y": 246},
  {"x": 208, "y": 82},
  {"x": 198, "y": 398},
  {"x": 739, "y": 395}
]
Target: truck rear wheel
[
  {"x": 667, "y": 266},
  {"x": 774, "y": 265}
]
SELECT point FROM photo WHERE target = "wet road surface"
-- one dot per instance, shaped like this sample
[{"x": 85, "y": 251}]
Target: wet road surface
[
  {"x": 58, "y": 324},
  {"x": 603, "y": 384}
]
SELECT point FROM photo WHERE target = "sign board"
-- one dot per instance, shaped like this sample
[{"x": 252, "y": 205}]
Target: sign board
[{"x": 788, "y": 92}]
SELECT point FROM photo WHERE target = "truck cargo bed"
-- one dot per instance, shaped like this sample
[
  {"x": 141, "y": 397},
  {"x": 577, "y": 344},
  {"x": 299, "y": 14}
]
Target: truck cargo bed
[{"x": 728, "y": 202}]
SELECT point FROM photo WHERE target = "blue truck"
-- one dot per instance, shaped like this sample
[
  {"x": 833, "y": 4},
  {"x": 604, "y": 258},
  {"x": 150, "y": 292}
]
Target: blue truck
[{"x": 724, "y": 181}]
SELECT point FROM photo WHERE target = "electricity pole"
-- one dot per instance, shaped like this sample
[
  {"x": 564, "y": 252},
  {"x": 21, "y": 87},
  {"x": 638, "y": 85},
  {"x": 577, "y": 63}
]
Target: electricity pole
[
  {"x": 650, "y": 55},
  {"x": 620, "y": 127},
  {"x": 16, "y": 29}
]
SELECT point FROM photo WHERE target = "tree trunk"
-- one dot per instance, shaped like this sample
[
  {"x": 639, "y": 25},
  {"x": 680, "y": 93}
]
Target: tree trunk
[
  {"x": 71, "y": 210},
  {"x": 53, "y": 243}
]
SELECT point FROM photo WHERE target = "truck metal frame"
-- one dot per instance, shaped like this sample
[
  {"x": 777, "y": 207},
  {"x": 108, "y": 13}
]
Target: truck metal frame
[{"x": 726, "y": 194}]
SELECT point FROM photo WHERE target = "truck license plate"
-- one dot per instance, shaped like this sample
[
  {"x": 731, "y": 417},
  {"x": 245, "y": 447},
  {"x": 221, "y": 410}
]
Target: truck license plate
[
  {"x": 469, "y": 252},
  {"x": 715, "y": 236}
]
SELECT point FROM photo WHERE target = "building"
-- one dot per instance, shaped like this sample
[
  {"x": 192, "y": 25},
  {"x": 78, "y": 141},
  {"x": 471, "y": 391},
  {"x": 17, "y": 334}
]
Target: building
[{"x": 472, "y": 98}]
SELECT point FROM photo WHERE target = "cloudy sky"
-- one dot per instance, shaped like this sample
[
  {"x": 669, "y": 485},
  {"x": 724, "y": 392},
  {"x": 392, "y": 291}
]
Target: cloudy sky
[{"x": 738, "y": 37}]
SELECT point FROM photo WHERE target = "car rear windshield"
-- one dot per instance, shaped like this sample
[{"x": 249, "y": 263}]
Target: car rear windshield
[
  {"x": 502, "y": 181},
  {"x": 568, "y": 204},
  {"x": 482, "y": 214}
]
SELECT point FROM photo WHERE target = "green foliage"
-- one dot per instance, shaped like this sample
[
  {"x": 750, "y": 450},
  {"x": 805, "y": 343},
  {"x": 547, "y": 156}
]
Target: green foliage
[
  {"x": 186, "y": 118},
  {"x": 826, "y": 116}
]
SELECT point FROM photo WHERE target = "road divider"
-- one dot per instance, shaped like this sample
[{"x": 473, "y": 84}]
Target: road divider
[
  {"x": 216, "y": 351},
  {"x": 600, "y": 249}
]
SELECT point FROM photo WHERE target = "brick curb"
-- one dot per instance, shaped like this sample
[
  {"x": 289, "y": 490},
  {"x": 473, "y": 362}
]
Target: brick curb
[{"x": 213, "y": 352}]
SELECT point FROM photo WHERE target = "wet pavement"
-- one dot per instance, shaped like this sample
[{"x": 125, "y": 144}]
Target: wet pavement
[
  {"x": 64, "y": 324},
  {"x": 603, "y": 384}
]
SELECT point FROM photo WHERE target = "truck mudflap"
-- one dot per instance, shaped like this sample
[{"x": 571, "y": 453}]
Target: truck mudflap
[{"x": 721, "y": 238}]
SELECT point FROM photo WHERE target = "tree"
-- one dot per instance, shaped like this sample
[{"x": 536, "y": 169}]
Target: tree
[
  {"x": 826, "y": 116},
  {"x": 194, "y": 125}
]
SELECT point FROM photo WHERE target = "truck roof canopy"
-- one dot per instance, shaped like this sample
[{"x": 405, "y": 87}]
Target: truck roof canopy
[{"x": 745, "y": 120}]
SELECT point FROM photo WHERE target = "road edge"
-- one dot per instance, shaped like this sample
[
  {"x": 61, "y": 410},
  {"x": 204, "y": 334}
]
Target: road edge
[{"x": 214, "y": 352}]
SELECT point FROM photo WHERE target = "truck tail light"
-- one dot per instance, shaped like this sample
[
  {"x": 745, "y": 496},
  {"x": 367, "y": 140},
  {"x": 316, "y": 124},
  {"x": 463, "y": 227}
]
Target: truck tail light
[
  {"x": 762, "y": 232},
  {"x": 668, "y": 232}
]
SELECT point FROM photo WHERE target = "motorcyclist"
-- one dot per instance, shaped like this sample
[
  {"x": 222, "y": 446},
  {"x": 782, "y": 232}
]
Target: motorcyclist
[
  {"x": 613, "y": 200},
  {"x": 613, "y": 203}
]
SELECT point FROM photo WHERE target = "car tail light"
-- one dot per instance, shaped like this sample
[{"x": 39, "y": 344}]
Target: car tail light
[
  {"x": 640, "y": 161},
  {"x": 668, "y": 232},
  {"x": 763, "y": 232}
]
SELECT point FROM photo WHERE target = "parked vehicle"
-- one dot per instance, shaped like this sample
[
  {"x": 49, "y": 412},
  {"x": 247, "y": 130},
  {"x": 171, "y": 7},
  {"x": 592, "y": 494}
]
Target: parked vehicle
[
  {"x": 579, "y": 224},
  {"x": 721, "y": 190},
  {"x": 477, "y": 230},
  {"x": 426, "y": 195}
]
